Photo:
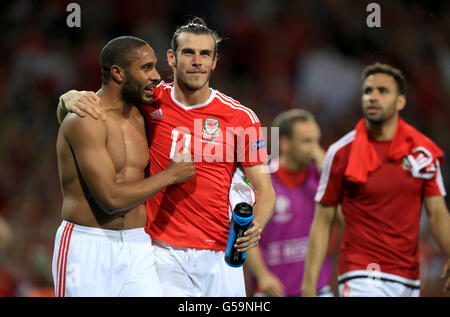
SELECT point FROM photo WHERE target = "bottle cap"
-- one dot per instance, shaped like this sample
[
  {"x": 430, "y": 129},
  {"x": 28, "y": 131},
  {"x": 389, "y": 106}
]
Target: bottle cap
[{"x": 243, "y": 210}]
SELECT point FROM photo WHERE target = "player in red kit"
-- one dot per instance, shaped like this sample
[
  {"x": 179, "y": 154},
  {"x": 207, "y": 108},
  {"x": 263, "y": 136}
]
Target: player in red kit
[
  {"x": 381, "y": 173},
  {"x": 101, "y": 247},
  {"x": 206, "y": 130},
  {"x": 188, "y": 224}
]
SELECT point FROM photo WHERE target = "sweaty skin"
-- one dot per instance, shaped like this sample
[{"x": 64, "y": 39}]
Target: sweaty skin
[
  {"x": 125, "y": 143},
  {"x": 102, "y": 162}
]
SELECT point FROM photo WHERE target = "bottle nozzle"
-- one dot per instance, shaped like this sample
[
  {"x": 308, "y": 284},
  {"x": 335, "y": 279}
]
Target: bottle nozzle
[{"x": 243, "y": 210}]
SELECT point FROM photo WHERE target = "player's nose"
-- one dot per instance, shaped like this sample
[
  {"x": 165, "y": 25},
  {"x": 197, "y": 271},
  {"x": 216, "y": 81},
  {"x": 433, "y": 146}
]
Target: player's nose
[
  {"x": 155, "y": 77},
  {"x": 196, "y": 60},
  {"x": 373, "y": 97}
]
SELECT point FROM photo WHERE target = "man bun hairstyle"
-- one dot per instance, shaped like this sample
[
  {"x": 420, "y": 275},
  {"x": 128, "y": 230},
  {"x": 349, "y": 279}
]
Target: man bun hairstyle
[{"x": 195, "y": 26}]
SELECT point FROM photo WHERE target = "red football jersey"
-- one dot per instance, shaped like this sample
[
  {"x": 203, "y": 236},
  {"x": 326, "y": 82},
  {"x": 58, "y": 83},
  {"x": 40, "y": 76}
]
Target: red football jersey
[
  {"x": 382, "y": 216},
  {"x": 219, "y": 134}
]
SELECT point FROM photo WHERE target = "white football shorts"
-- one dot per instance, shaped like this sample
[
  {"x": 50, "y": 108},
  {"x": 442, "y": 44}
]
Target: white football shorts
[
  {"x": 92, "y": 262},
  {"x": 187, "y": 272},
  {"x": 361, "y": 283}
]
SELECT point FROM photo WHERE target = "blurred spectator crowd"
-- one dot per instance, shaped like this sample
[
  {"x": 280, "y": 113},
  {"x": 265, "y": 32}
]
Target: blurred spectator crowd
[{"x": 276, "y": 55}]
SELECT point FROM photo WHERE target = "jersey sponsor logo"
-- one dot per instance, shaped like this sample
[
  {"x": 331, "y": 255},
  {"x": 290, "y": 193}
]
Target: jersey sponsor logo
[
  {"x": 158, "y": 114},
  {"x": 211, "y": 125},
  {"x": 257, "y": 145}
]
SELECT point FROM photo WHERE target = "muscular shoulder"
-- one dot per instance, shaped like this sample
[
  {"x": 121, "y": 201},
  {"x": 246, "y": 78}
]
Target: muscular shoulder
[{"x": 76, "y": 128}]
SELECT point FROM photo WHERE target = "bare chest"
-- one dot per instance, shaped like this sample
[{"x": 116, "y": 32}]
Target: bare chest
[{"x": 127, "y": 146}]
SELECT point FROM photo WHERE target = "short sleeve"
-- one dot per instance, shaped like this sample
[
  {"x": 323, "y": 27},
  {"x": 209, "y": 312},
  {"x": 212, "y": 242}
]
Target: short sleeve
[
  {"x": 330, "y": 186},
  {"x": 251, "y": 145},
  {"x": 435, "y": 185}
]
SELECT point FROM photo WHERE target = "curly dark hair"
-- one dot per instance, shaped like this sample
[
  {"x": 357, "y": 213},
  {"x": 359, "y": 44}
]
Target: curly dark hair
[{"x": 389, "y": 70}]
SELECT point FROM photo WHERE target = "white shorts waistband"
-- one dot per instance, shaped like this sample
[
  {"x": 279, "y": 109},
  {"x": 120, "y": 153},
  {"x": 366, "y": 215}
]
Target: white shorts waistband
[
  {"x": 119, "y": 235},
  {"x": 167, "y": 246},
  {"x": 378, "y": 275}
]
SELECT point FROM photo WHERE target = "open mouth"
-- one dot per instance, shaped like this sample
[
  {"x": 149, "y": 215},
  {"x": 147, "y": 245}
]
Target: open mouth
[{"x": 148, "y": 91}]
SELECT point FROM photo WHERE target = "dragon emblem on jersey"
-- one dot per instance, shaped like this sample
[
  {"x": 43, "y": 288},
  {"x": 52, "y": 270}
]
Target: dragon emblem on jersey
[{"x": 211, "y": 125}]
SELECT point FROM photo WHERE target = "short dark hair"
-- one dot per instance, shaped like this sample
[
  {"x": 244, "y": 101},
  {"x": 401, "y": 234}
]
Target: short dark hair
[
  {"x": 120, "y": 51},
  {"x": 389, "y": 70},
  {"x": 196, "y": 26},
  {"x": 285, "y": 121}
]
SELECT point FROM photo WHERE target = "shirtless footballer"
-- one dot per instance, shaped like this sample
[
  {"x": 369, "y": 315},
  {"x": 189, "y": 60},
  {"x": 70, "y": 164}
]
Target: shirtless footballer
[
  {"x": 101, "y": 248},
  {"x": 188, "y": 223}
]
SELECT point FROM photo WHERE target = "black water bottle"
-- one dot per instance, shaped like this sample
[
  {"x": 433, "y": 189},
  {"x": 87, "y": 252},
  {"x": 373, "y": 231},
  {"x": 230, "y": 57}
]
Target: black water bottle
[{"x": 241, "y": 222}]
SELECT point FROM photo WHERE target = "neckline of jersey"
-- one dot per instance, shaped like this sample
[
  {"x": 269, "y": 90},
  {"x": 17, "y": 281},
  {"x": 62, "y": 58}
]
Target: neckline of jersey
[{"x": 212, "y": 95}]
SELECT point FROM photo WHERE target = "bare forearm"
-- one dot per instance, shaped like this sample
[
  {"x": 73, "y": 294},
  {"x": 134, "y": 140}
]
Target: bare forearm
[
  {"x": 255, "y": 263},
  {"x": 317, "y": 249},
  {"x": 122, "y": 196},
  {"x": 439, "y": 221},
  {"x": 264, "y": 206},
  {"x": 440, "y": 229}
]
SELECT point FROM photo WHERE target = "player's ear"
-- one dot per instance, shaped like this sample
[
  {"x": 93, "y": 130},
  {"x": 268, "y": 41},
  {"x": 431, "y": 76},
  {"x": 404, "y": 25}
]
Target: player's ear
[
  {"x": 401, "y": 102},
  {"x": 171, "y": 58},
  {"x": 214, "y": 62},
  {"x": 284, "y": 143},
  {"x": 118, "y": 74}
]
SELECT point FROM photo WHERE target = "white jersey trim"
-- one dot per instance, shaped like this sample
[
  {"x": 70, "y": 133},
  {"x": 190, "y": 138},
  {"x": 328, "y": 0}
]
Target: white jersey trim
[
  {"x": 238, "y": 106},
  {"x": 328, "y": 162},
  {"x": 164, "y": 85},
  {"x": 237, "y": 103},
  {"x": 378, "y": 275},
  {"x": 212, "y": 95},
  {"x": 439, "y": 179}
]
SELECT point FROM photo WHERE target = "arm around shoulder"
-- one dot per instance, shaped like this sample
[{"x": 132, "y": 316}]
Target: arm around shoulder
[
  {"x": 81, "y": 103},
  {"x": 87, "y": 138}
]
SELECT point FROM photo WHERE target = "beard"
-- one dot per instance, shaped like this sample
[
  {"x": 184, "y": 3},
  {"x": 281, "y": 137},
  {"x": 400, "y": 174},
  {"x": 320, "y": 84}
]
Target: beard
[
  {"x": 132, "y": 91},
  {"x": 382, "y": 116},
  {"x": 192, "y": 85},
  {"x": 375, "y": 119}
]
